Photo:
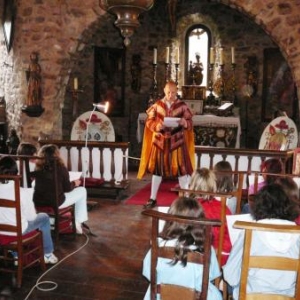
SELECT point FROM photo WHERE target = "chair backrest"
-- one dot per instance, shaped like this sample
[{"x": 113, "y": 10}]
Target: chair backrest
[
  {"x": 6, "y": 203},
  {"x": 168, "y": 252},
  {"x": 267, "y": 262}
]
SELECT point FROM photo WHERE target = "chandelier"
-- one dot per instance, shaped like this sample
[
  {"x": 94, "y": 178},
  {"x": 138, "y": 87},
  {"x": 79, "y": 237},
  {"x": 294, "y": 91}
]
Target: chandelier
[{"x": 127, "y": 12}]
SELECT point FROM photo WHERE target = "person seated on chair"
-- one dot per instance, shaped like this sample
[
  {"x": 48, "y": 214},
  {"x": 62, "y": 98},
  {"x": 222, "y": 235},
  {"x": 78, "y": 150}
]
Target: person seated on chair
[
  {"x": 178, "y": 235},
  {"x": 291, "y": 189},
  {"x": 30, "y": 219},
  {"x": 272, "y": 166},
  {"x": 225, "y": 182},
  {"x": 205, "y": 180},
  {"x": 69, "y": 192},
  {"x": 271, "y": 206}
]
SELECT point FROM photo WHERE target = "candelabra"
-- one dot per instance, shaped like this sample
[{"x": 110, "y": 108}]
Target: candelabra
[
  {"x": 153, "y": 94},
  {"x": 233, "y": 66},
  {"x": 167, "y": 72},
  {"x": 176, "y": 73},
  {"x": 75, "y": 95},
  {"x": 222, "y": 85},
  {"x": 210, "y": 98}
]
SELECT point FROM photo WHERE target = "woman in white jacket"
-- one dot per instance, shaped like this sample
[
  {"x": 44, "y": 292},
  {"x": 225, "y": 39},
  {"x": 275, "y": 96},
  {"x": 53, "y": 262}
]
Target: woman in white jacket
[{"x": 272, "y": 206}]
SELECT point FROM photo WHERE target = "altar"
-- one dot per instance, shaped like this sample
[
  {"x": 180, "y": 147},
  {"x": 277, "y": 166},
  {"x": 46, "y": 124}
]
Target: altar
[{"x": 210, "y": 130}]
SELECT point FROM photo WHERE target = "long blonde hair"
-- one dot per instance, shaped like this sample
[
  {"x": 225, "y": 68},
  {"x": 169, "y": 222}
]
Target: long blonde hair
[{"x": 203, "y": 180}]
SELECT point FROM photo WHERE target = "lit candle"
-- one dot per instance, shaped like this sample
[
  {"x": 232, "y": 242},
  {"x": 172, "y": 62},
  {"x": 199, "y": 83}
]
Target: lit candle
[
  {"x": 212, "y": 56},
  {"x": 177, "y": 56},
  {"x": 221, "y": 56},
  {"x": 155, "y": 56},
  {"x": 232, "y": 55},
  {"x": 75, "y": 83},
  {"x": 167, "y": 55}
]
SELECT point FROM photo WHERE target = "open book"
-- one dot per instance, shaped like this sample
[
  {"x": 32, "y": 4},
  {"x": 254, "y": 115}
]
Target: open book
[{"x": 75, "y": 175}]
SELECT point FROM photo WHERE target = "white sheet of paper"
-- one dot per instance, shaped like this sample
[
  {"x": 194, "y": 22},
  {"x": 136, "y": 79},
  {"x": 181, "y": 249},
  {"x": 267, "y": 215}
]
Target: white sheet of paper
[
  {"x": 171, "y": 122},
  {"x": 234, "y": 232},
  {"x": 74, "y": 175}
]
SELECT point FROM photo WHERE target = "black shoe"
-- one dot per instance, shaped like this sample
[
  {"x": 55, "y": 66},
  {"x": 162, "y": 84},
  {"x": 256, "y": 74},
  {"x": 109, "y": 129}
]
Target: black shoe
[{"x": 150, "y": 204}]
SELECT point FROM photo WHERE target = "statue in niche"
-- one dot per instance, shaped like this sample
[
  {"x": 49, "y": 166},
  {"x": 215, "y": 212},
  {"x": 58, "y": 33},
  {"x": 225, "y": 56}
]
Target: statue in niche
[
  {"x": 13, "y": 142},
  {"x": 251, "y": 71},
  {"x": 195, "y": 72},
  {"x": 33, "y": 103},
  {"x": 136, "y": 71}
]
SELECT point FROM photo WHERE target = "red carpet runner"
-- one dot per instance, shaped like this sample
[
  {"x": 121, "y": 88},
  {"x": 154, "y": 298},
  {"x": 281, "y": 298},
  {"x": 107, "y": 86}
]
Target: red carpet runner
[{"x": 164, "y": 197}]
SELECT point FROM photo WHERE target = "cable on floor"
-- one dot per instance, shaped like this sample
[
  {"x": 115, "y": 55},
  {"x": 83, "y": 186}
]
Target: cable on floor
[{"x": 54, "y": 284}]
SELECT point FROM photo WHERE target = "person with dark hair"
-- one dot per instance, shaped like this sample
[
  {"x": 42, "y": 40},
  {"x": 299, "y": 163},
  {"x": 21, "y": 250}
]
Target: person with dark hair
[
  {"x": 168, "y": 149},
  {"x": 224, "y": 177},
  {"x": 69, "y": 192},
  {"x": 29, "y": 218},
  {"x": 204, "y": 180},
  {"x": 183, "y": 238},
  {"x": 270, "y": 166},
  {"x": 271, "y": 206},
  {"x": 26, "y": 148}
]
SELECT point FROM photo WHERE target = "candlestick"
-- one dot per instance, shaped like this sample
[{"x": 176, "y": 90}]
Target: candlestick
[
  {"x": 221, "y": 56},
  {"x": 155, "y": 56},
  {"x": 232, "y": 55},
  {"x": 212, "y": 56},
  {"x": 75, "y": 83},
  {"x": 167, "y": 55},
  {"x": 177, "y": 56}
]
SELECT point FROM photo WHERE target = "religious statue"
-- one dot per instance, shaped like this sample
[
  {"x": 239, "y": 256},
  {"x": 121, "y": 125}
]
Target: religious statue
[
  {"x": 195, "y": 72},
  {"x": 33, "y": 103},
  {"x": 172, "y": 6}
]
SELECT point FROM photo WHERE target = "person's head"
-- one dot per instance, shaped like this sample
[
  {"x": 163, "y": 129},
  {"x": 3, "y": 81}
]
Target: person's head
[
  {"x": 224, "y": 179},
  {"x": 289, "y": 186},
  {"x": 48, "y": 153},
  {"x": 186, "y": 235},
  {"x": 271, "y": 202},
  {"x": 170, "y": 91},
  {"x": 26, "y": 149},
  {"x": 8, "y": 166},
  {"x": 273, "y": 166},
  {"x": 203, "y": 179}
]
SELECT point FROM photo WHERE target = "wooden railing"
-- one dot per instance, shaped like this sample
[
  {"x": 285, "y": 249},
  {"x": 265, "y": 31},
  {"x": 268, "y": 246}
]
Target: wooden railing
[
  {"x": 241, "y": 159},
  {"x": 107, "y": 160}
]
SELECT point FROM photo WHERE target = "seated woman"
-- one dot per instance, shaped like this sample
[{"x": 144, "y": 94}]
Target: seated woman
[
  {"x": 30, "y": 219},
  {"x": 69, "y": 192},
  {"x": 272, "y": 166},
  {"x": 272, "y": 206},
  {"x": 225, "y": 184},
  {"x": 176, "y": 234},
  {"x": 204, "y": 180}
]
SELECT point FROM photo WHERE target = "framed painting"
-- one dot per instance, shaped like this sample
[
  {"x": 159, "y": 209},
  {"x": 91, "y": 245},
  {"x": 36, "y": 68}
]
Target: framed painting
[
  {"x": 8, "y": 22},
  {"x": 279, "y": 91},
  {"x": 109, "y": 78}
]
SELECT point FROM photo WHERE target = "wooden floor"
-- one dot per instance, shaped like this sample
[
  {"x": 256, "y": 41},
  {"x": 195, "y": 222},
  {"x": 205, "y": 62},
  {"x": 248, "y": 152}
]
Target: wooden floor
[{"x": 108, "y": 267}]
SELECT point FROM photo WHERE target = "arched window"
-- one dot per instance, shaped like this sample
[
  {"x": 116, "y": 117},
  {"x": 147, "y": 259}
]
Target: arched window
[{"x": 198, "y": 41}]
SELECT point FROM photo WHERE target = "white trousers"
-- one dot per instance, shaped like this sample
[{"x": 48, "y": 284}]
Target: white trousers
[{"x": 77, "y": 196}]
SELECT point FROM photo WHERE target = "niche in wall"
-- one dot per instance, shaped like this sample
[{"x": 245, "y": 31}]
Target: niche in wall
[{"x": 110, "y": 78}]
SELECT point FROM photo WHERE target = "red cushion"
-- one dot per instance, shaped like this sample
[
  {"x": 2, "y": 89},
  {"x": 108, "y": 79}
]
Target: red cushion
[
  {"x": 92, "y": 182},
  {"x": 7, "y": 239}
]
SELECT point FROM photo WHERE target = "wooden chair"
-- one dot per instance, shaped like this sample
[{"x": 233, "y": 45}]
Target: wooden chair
[
  {"x": 175, "y": 292},
  {"x": 29, "y": 247},
  {"x": 63, "y": 218},
  {"x": 266, "y": 262}
]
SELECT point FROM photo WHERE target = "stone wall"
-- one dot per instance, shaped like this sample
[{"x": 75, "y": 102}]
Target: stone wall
[{"x": 64, "y": 34}]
